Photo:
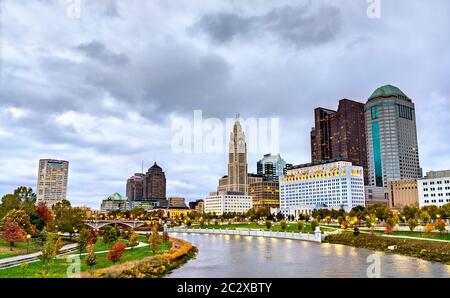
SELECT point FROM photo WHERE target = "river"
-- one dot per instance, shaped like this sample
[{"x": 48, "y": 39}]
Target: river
[{"x": 223, "y": 256}]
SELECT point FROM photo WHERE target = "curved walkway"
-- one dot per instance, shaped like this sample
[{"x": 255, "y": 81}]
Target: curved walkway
[
  {"x": 32, "y": 257},
  {"x": 141, "y": 244}
]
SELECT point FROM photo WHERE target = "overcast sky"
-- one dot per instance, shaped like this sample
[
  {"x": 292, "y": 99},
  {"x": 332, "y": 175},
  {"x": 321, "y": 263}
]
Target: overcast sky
[{"x": 101, "y": 90}]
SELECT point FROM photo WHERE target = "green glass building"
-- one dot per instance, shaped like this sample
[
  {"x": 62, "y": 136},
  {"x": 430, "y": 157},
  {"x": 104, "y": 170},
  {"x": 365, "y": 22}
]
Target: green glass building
[{"x": 392, "y": 146}]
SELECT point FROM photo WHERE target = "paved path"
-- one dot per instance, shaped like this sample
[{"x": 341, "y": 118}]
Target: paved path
[
  {"x": 141, "y": 244},
  {"x": 16, "y": 260}
]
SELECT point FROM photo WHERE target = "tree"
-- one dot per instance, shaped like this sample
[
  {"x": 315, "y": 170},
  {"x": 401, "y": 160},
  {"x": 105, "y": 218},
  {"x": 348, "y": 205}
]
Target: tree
[
  {"x": 12, "y": 233},
  {"x": 9, "y": 202},
  {"x": 154, "y": 240},
  {"x": 21, "y": 218},
  {"x": 388, "y": 229},
  {"x": 83, "y": 239},
  {"x": 314, "y": 224},
  {"x": 133, "y": 240},
  {"x": 412, "y": 224},
  {"x": 110, "y": 235},
  {"x": 91, "y": 258},
  {"x": 268, "y": 224},
  {"x": 166, "y": 237},
  {"x": 44, "y": 213},
  {"x": 24, "y": 267},
  {"x": 68, "y": 219},
  {"x": 428, "y": 229},
  {"x": 440, "y": 225},
  {"x": 410, "y": 212},
  {"x": 280, "y": 216},
  {"x": 425, "y": 216},
  {"x": 188, "y": 222},
  {"x": 93, "y": 238},
  {"x": 202, "y": 222},
  {"x": 283, "y": 225},
  {"x": 116, "y": 252},
  {"x": 300, "y": 225},
  {"x": 48, "y": 252}
]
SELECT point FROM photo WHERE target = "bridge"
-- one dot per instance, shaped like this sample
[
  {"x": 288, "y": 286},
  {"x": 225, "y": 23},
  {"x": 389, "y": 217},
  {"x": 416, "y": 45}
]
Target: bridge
[{"x": 98, "y": 224}]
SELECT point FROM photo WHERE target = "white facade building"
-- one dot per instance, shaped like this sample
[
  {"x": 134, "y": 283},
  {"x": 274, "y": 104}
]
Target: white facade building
[
  {"x": 331, "y": 185},
  {"x": 52, "y": 181},
  {"x": 434, "y": 189},
  {"x": 226, "y": 202}
]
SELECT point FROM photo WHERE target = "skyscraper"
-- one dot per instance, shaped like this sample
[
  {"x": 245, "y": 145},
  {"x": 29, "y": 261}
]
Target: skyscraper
[
  {"x": 135, "y": 187},
  {"x": 272, "y": 165},
  {"x": 155, "y": 184},
  {"x": 340, "y": 134},
  {"x": 236, "y": 181},
  {"x": 391, "y": 136},
  {"x": 52, "y": 181}
]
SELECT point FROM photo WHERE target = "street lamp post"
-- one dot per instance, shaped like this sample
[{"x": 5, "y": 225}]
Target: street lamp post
[{"x": 28, "y": 243}]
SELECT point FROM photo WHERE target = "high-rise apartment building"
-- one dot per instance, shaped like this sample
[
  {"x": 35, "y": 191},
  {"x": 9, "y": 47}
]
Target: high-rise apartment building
[
  {"x": 135, "y": 187},
  {"x": 52, "y": 181},
  {"x": 392, "y": 147},
  {"x": 154, "y": 184},
  {"x": 340, "y": 134}
]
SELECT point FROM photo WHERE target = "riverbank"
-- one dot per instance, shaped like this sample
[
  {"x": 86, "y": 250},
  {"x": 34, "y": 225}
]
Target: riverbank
[
  {"x": 427, "y": 250},
  {"x": 151, "y": 267}
]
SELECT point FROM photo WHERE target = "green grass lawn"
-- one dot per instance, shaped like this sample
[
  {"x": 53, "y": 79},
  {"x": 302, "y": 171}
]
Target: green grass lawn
[
  {"x": 443, "y": 236},
  {"x": 275, "y": 227},
  {"x": 19, "y": 248},
  {"x": 59, "y": 267}
]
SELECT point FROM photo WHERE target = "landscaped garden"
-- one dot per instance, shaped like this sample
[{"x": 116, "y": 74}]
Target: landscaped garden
[{"x": 59, "y": 266}]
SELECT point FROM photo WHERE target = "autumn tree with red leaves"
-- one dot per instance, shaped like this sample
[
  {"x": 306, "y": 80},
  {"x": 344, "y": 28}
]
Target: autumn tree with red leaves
[
  {"x": 12, "y": 233},
  {"x": 44, "y": 213},
  {"x": 116, "y": 252}
]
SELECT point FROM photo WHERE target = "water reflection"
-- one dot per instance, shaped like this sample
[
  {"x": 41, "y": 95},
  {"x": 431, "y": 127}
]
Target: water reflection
[{"x": 230, "y": 256}]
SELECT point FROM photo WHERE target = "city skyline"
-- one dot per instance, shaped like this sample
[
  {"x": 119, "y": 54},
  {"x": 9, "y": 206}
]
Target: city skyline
[{"x": 105, "y": 128}]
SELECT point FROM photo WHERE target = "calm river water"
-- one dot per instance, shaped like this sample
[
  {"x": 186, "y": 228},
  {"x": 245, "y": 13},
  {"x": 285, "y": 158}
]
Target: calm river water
[{"x": 240, "y": 257}]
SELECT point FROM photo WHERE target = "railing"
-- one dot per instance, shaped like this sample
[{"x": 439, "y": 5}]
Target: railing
[{"x": 316, "y": 237}]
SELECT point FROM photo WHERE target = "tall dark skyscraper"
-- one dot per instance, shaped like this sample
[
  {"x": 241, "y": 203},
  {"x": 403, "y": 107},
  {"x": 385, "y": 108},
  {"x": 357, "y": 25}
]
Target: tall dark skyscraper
[
  {"x": 155, "y": 184},
  {"x": 340, "y": 134}
]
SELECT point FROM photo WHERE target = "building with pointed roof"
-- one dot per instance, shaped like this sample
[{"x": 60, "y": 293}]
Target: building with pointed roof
[{"x": 154, "y": 184}]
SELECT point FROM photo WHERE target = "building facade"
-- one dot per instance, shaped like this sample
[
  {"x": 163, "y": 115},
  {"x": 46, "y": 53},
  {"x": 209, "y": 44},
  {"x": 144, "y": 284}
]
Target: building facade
[
  {"x": 392, "y": 147},
  {"x": 272, "y": 165},
  {"x": 434, "y": 189},
  {"x": 236, "y": 180},
  {"x": 135, "y": 187},
  {"x": 340, "y": 134},
  {"x": 115, "y": 202},
  {"x": 228, "y": 202},
  {"x": 52, "y": 181},
  {"x": 265, "y": 193},
  {"x": 403, "y": 193},
  {"x": 376, "y": 195},
  {"x": 154, "y": 184},
  {"x": 332, "y": 185},
  {"x": 177, "y": 202}
]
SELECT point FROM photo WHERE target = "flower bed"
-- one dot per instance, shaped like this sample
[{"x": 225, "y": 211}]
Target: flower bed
[
  {"x": 427, "y": 250},
  {"x": 153, "y": 266}
]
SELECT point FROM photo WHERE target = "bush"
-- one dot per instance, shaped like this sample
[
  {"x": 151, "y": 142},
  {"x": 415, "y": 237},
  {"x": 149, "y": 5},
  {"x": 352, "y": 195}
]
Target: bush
[
  {"x": 283, "y": 225},
  {"x": 300, "y": 225},
  {"x": 356, "y": 231},
  {"x": 116, "y": 252},
  {"x": 314, "y": 224},
  {"x": 268, "y": 224}
]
